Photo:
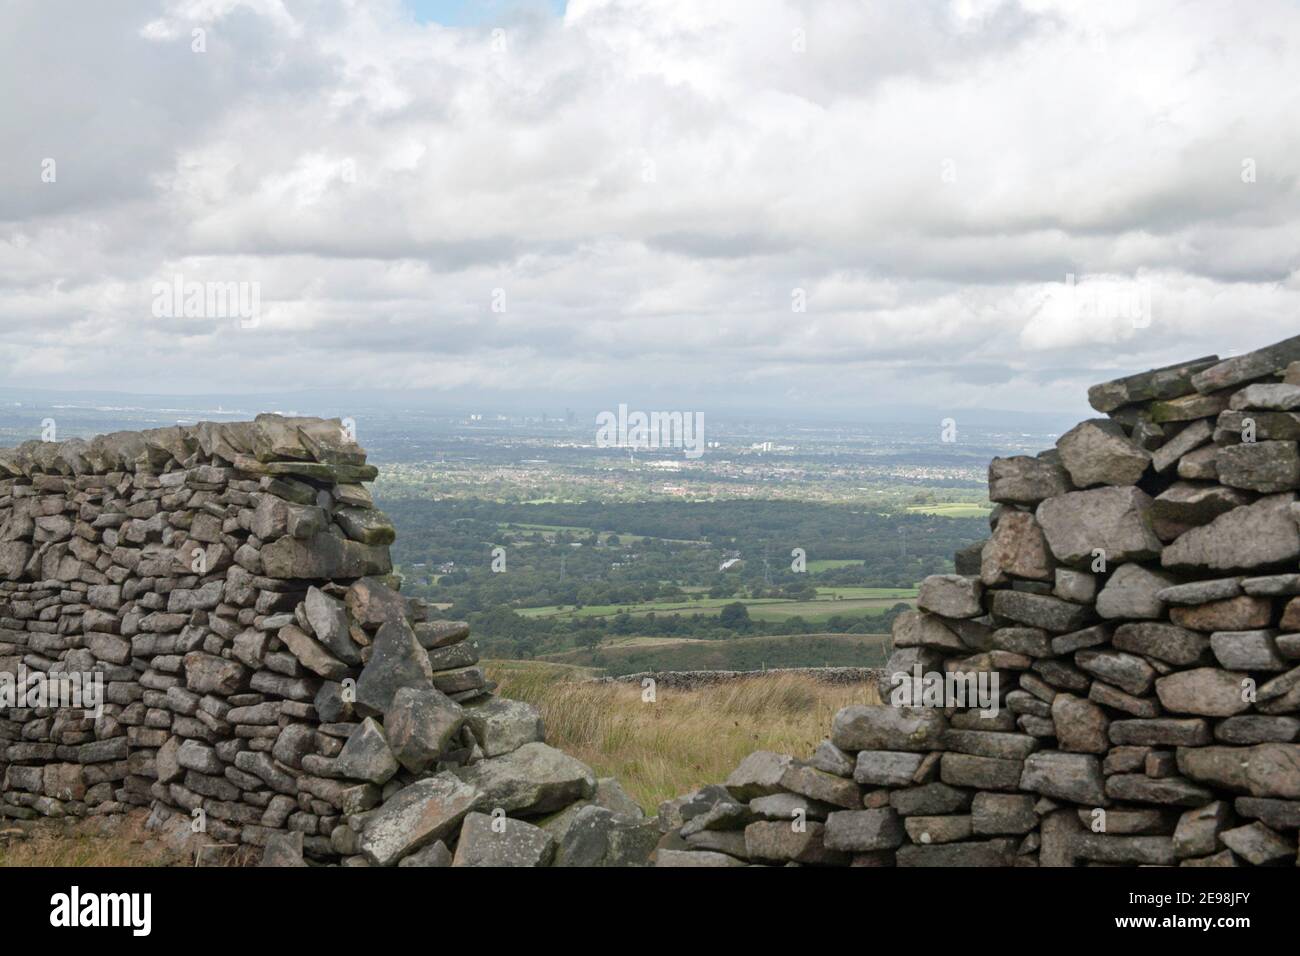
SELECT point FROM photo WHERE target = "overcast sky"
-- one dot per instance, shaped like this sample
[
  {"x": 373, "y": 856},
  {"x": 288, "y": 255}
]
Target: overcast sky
[{"x": 630, "y": 198}]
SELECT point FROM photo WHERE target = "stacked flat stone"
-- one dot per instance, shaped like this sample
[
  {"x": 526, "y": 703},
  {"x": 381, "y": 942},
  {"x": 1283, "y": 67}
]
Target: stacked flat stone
[
  {"x": 1139, "y": 602},
  {"x": 265, "y": 683}
]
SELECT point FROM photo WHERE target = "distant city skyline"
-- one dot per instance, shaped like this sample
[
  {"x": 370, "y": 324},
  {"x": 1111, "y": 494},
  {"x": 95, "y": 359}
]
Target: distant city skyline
[{"x": 807, "y": 210}]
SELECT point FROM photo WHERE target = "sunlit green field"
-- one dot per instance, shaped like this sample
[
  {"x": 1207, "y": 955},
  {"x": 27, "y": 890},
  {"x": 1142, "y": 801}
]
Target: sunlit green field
[
  {"x": 952, "y": 509},
  {"x": 825, "y": 564}
]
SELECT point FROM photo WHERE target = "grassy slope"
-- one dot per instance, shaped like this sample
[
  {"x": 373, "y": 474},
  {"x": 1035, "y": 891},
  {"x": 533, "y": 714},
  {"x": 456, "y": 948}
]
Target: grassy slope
[{"x": 682, "y": 740}]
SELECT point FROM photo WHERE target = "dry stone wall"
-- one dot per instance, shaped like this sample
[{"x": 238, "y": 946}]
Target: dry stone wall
[
  {"x": 227, "y": 587},
  {"x": 1127, "y": 641},
  {"x": 1139, "y": 604}
]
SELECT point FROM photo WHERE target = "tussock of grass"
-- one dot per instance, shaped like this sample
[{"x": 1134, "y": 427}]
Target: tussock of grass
[
  {"x": 685, "y": 738},
  {"x": 66, "y": 843}
]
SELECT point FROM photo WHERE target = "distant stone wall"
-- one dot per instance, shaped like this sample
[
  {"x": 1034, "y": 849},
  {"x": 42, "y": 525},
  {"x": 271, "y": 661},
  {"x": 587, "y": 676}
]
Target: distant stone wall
[
  {"x": 690, "y": 680},
  {"x": 263, "y": 682},
  {"x": 1139, "y": 605}
]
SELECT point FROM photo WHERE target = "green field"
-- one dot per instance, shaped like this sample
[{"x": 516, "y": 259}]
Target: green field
[
  {"x": 820, "y": 611},
  {"x": 830, "y": 601},
  {"x": 952, "y": 509},
  {"x": 701, "y": 606},
  {"x": 848, "y": 591},
  {"x": 825, "y": 564}
]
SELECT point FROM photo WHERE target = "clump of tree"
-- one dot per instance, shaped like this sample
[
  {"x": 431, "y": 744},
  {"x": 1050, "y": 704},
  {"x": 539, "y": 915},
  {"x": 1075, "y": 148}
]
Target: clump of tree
[{"x": 734, "y": 617}]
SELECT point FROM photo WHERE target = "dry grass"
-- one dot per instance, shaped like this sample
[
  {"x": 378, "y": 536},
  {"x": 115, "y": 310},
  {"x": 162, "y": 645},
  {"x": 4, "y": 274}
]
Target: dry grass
[
  {"x": 91, "y": 842},
  {"x": 685, "y": 738}
]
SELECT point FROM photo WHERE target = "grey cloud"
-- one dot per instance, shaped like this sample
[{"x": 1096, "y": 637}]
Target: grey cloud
[{"x": 649, "y": 183}]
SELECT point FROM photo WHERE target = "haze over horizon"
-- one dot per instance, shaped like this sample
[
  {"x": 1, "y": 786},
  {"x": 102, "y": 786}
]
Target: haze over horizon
[
  {"x": 427, "y": 406},
  {"x": 799, "y": 209}
]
